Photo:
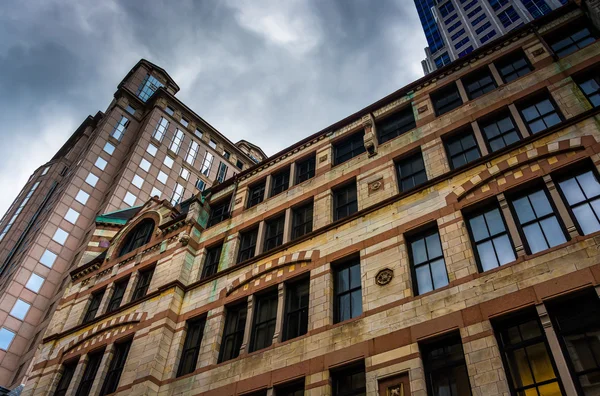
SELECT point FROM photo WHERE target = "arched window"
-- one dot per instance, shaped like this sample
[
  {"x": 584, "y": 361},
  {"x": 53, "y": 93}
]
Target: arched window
[{"x": 137, "y": 237}]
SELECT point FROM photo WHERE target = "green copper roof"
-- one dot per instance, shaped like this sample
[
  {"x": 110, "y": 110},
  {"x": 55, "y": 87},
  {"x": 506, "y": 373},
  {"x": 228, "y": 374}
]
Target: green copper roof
[{"x": 119, "y": 216}]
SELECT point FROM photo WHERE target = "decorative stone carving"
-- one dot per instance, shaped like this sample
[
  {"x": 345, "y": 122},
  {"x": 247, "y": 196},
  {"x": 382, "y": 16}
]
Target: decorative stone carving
[
  {"x": 184, "y": 238},
  {"x": 375, "y": 185},
  {"x": 538, "y": 52},
  {"x": 422, "y": 109},
  {"x": 384, "y": 276},
  {"x": 323, "y": 158},
  {"x": 370, "y": 138}
]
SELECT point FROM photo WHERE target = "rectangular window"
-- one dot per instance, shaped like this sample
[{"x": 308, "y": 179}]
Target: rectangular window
[
  {"x": 211, "y": 263},
  {"x": 349, "y": 381},
  {"x": 446, "y": 99},
  {"x": 296, "y": 309},
  {"x": 233, "y": 333},
  {"x": 155, "y": 192},
  {"x": 168, "y": 162},
  {"x": 200, "y": 184},
  {"x": 207, "y": 164},
  {"x": 487, "y": 36},
  {"x": 100, "y": 163},
  {"x": 348, "y": 148},
  {"x": 184, "y": 122},
  {"x": 446, "y": 9},
  {"x": 138, "y": 181},
  {"x": 411, "y": 172},
  {"x": 442, "y": 60},
  {"x": 305, "y": 169},
  {"x": 93, "y": 306},
  {"x": 466, "y": 51},
  {"x": 479, "y": 83},
  {"x": 513, "y": 66},
  {"x": 145, "y": 164},
  {"x": 445, "y": 367},
  {"x": 302, "y": 220},
  {"x": 219, "y": 212},
  {"x": 198, "y": 133},
  {"x": 500, "y": 131},
  {"x": 540, "y": 113},
  {"x": 192, "y": 152},
  {"x": 109, "y": 148},
  {"x": 462, "y": 42},
  {"x": 427, "y": 259},
  {"x": 490, "y": 238},
  {"x": 115, "y": 368},
  {"x": 274, "y": 232},
  {"x": 191, "y": 346},
  {"x": 221, "y": 172},
  {"x": 527, "y": 360},
  {"x": 280, "y": 182},
  {"x": 177, "y": 194},
  {"x": 71, "y": 216},
  {"x": 226, "y": 154},
  {"x": 239, "y": 164},
  {"x": 148, "y": 87},
  {"x": 450, "y": 19},
  {"x": 457, "y": 34},
  {"x": 35, "y": 283},
  {"x": 462, "y": 149},
  {"x": 247, "y": 245},
  {"x": 91, "y": 179},
  {"x": 130, "y": 110},
  {"x": 161, "y": 129},
  {"x": 567, "y": 40},
  {"x": 477, "y": 20},
  {"x": 471, "y": 4},
  {"x": 68, "y": 369},
  {"x": 20, "y": 309},
  {"x": 212, "y": 144},
  {"x": 184, "y": 174},
  {"x": 455, "y": 26},
  {"x": 508, "y": 16},
  {"x": 347, "y": 290},
  {"x": 120, "y": 128},
  {"x": 117, "y": 295},
  {"x": 89, "y": 374},
  {"x": 345, "y": 201},
  {"x": 395, "y": 125},
  {"x": 176, "y": 141},
  {"x": 582, "y": 193},
  {"x": 265, "y": 316},
  {"x": 169, "y": 110},
  {"x": 537, "y": 221},
  {"x": 590, "y": 85},
  {"x": 483, "y": 27},
  {"x": 129, "y": 199},
  {"x": 256, "y": 194},
  {"x": 497, "y": 4},
  {"x": 474, "y": 12},
  {"x": 143, "y": 283}
]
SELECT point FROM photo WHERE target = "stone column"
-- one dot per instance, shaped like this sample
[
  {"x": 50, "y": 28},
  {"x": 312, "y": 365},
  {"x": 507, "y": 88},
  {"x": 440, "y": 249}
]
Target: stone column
[
  {"x": 211, "y": 341},
  {"x": 260, "y": 238},
  {"x": 511, "y": 225},
  {"x": 322, "y": 209},
  {"x": 320, "y": 305},
  {"x": 518, "y": 120},
  {"x": 555, "y": 350},
  {"x": 229, "y": 255},
  {"x": 196, "y": 271},
  {"x": 496, "y": 74},
  {"x": 78, "y": 374},
  {"x": 292, "y": 175},
  {"x": 278, "y": 335},
  {"x": 560, "y": 207},
  {"x": 105, "y": 299},
  {"x": 130, "y": 287},
  {"x": 102, "y": 370},
  {"x": 268, "y": 183},
  {"x": 287, "y": 228},
  {"x": 480, "y": 140},
  {"x": 248, "y": 328},
  {"x": 462, "y": 91}
]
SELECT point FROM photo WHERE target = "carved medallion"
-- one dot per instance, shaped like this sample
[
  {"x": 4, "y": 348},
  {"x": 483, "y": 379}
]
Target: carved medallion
[
  {"x": 384, "y": 276},
  {"x": 375, "y": 185}
]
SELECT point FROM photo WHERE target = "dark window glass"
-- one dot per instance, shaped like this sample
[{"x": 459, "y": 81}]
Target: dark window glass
[
  {"x": 256, "y": 194},
  {"x": 296, "y": 309},
  {"x": 483, "y": 27},
  {"x": 487, "y": 36},
  {"x": 443, "y": 59},
  {"x": 513, "y": 66},
  {"x": 349, "y": 381},
  {"x": 428, "y": 265},
  {"x": 579, "y": 332},
  {"x": 570, "y": 39},
  {"x": 247, "y": 245},
  {"x": 479, "y": 83},
  {"x": 139, "y": 236},
  {"x": 65, "y": 378},
  {"x": 446, "y": 99},
  {"x": 218, "y": 212},
  {"x": 462, "y": 42},
  {"x": 497, "y": 4},
  {"x": 446, "y": 9},
  {"x": 536, "y": 8},
  {"x": 143, "y": 283},
  {"x": 582, "y": 193},
  {"x": 527, "y": 360},
  {"x": 280, "y": 182},
  {"x": 445, "y": 368},
  {"x": 239, "y": 164},
  {"x": 265, "y": 316},
  {"x": 462, "y": 149},
  {"x": 590, "y": 85},
  {"x": 274, "y": 232},
  {"x": 457, "y": 34},
  {"x": 233, "y": 334},
  {"x": 466, "y": 51},
  {"x": 540, "y": 114},
  {"x": 500, "y": 131},
  {"x": 211, "y": 263},
  {"x": 349, "y": 148},
  {"x": 305, "y": 169},
  {"x": 117, "y": 295},
  {"x": 89, "y": 374},
  {"x": 92, "y": 310},
  {"x": 302, "y": 220},
  {"x": 294, "y": 389},
  {"x": 411, "y": 172},
  {"x": 477, "y": 20},
  {"x": 347, "y": 287},
  {"x": 538, "y": 223},
  {"x": 508, "y": 16},
  {"x": 490, "y": 239},
  {"x": 115, "y": 369},
  {"x": 474, "y": 12},
  {"x": 344, "y": 201},
  {"x": 191, "y": 346},
  {"x": 395, "y": 125}
]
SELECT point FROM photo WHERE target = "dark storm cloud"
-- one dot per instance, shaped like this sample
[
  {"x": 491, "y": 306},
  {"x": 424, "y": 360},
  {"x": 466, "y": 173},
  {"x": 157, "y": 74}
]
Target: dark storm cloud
[{"x": 271, "y": 72}]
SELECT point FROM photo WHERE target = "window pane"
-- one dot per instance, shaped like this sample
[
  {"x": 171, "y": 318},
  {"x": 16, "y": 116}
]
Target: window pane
[
  {"x": 540, "y": 362},
  {"x": 553, "y": 232},
  {"x": 504, "y": 249},
  {"x": 344, "y": 307},
  {"x": 535, "y": 238},
  {"x": 418, "y": 251},
  {"x": 524, "y": 210},
  {"x": 424, "y": 279},
  {"x": 343, "y": 281},
  {"x": 540, "y": 203},
  {"x": 356, "y": 297},
  {"x": 586, "y": 218},
  {"x": 478, "y": 228},
  {"x": 440, "y": 277},
  {"x": 519, "y": 368},
  {"x": 590, "y": 185},
  {"x": 487, "y": 256},
  {"x": 571, "y": 190}
]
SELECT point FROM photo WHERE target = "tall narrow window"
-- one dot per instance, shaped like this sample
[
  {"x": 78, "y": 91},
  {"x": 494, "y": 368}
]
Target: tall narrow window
[
  {"x": 265, "y": 316},
  {"x": 445, "y": 367},
  {"x": 148, "y": 87},
  {"x": 538, "y": 221},
  {"x": 207, "y": 163},
  {"x": 221, "y": 172},
  {"x": 479, "y": 83},
  {"x": 305, "y": 169},
  {"x": 302, "y": 220},
  {"x": 427, "y": 258},
  {"x": 582, "y": 193},
  {"x": 117, "y": 295},
  {"x": 191, "y": 346},
  {"x": 446, "y": 99},
  {"x": 540, "y": 113},
  {"x": 347, "y": 290},
  {"x": 590, "y": 85},
  {"x": 280, "y": 182},
  {"x": 462, "y": 149},
  {"x": 567, "y": 40},
  {"x": 256, "y": 194},
  {"x": 115, "y": 369},
  {"x": 93, "y": 306},
  {"x": 89, "y": 374},
  {"x": 349, "y": 148},
  {"x": 211, "y": 263},
  {"x": 491, "y": 242},
  {"x": 68, "y": 370},
  {"x": 219, "y": 212},
  {"x": 411, "y": 172},
  {"x": 192, "y": 152},
  {"x": 349, "y": 381},
  {"x": 143, "y": 283},
  {"x": 513, "y": 66},
  {"x": 161, "y": 129},
  {"x": 274, "y": 232},
  {"x": 526, "y": 355},
  {"x": 345, "y": 201},
  {"x": 296, "y": 309},
  {"x": 233, "y": 333},
  {"x": 139, "y": 236},
  {"x": 396, "y": 124},
  {"x": 176, "y": 141},
  {"x": 247, "y": 245},
  {"x": 500, "y": 131},
  {"x": 178, "y": 192},
  {"x": 120, "y": 128}
]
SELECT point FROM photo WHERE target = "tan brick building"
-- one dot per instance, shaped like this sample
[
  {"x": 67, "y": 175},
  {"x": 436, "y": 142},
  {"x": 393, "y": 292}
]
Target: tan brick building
[{"x": 443, "y": 241}]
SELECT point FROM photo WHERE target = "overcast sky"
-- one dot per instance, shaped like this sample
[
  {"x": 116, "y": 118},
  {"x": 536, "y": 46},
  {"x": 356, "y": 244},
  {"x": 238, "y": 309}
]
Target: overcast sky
[{"x": 271, "y": 72}]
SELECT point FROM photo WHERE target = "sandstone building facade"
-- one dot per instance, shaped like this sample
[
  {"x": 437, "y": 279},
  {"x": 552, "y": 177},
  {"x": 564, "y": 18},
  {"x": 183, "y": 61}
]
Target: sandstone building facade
[{"x": 442, "y": 241}]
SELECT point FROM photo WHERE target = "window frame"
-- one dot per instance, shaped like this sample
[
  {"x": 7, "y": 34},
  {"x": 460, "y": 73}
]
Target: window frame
[
  {"x": 457, "y": 137},
  {"x": 280, "y": 182},
  {"x": 423, "y": 233},
  {"x": 437, "y": 96},
  {"x": 396, "y": 123},
  {"x": 251, "y": 233},
  {"x": 304, "y": 175},
  {"x": 274, "y": 236},
  {"x": 476, "y": 77},
  {"x": 210, "y": 266},
  {"x": 590, "y": 74},
  {"x": 93, "y": 306},
  {"x": 267, "y": 298},
  {"x": 141, "y": 288},
  {"x": 256, "y": 194},
  {"x": 568, "y": 30},
  {"x": 90, "y": 372},
  {"x": 495, "y": 118},
  {"x": 534, "y": 100},
  {"x": 116, "y": 366},
  {"x": 222, "y": 208},
  {"x": 511, "y": 59},
  {"x": 194, "y": 329},
  {"x": 349, "y": 205},
  {"x": 240, "y": 309},
  {"x": 352, "y": 369},
  {"x": 68, "y": 371},
  {"x": 115, "y": 299},
  {"x": 406, "y": 158},
  {"x": 300, "y": 229},
  {"x": 138, "y": 236},
  {"x": 345, "y": 265},
  {"x": 292, "y": 290},
  {"x": 440, "y": 343},
  {"x": 356, "y": 144}
]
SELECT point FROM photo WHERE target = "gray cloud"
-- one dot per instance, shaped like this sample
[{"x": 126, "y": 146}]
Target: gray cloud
[{"x": 271, "y": 72}]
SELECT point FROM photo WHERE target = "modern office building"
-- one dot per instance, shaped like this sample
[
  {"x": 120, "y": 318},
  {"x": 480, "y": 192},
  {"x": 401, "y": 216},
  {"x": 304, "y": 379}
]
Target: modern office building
[
  {"x": 444, "y": 240},
  {"x": 454, "y": 28},
  {"x": 147, "y": 143}
]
